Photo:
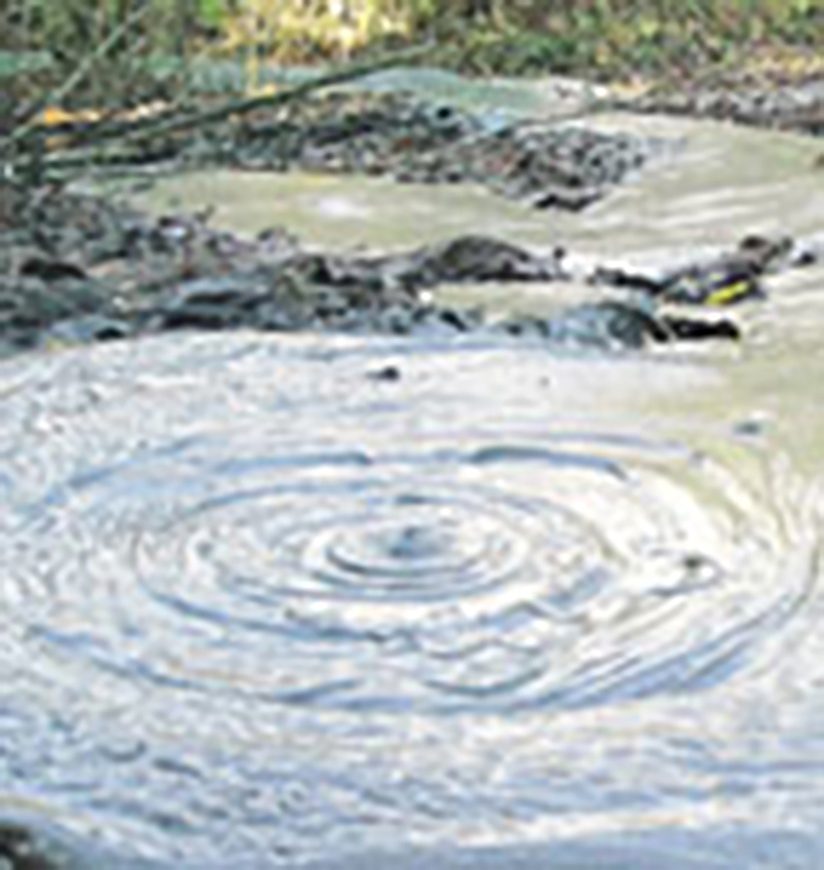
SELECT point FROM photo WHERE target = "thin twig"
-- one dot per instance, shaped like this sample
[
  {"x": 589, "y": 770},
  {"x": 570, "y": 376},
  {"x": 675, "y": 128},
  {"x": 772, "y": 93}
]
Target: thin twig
[
  {"x": 151, "y": 127},
  {"x": 59, "y": 93}
]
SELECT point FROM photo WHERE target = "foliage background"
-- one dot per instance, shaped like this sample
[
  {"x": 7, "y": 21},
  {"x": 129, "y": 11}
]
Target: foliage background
[{"x": 151, "y": 44}]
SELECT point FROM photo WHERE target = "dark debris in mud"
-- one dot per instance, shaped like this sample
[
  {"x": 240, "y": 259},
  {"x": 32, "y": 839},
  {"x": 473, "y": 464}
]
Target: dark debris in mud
[
  {"x": 22, "y": 849},
  {"x": 732, "y": 277},
  {"x": 547, "y": 164},
  {"x": 79, "y": 269},
  {"x": 790, "y": 105},
  {"x": 544, "y": 164}
]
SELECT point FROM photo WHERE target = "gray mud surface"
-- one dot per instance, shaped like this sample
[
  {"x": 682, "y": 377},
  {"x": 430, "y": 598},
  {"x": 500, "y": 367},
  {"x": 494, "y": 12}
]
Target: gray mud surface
[{"x": 468, "y": 601}]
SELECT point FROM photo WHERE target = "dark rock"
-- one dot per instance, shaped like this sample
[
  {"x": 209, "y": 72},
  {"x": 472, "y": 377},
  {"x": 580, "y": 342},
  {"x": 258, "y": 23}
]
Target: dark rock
[
  {"x": 466, "y": 258},
  {"x": 691, "y": 329},
  {"x": 237, "y": 291},
  {"x": 526, "y": 326},
  {"x": 431, "y": 318},
  {"x": 22, "y": 849},
  {"x": 211, "y": 303},
  {"x": 567, "y": 199},
  {"x": 481, "y": 258},
  {"x": 91, "y": 328},
  {"x": 387, "y": 373},
  {"x": 50, "y": 270},
  {"x": 608, "y": 325},
  {"x": 455, "y": 319},
  {"x": 749, "y": 428},
  {"x": 616, "y": 277},
  {"x": 615, "y": 325}
]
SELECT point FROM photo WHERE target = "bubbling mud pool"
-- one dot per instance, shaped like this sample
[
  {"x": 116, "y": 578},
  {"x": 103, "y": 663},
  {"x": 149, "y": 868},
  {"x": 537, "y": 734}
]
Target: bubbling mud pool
[
  {"x": 326, "y": 602},
  {"x": 264, "y": 601}
]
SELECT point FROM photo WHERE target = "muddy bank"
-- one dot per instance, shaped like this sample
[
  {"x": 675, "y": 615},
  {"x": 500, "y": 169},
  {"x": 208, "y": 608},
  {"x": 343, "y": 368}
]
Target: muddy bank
[
  {"x": 78, "y": 269},
  {"x": 541, "y": 163},
  {"x": 410, "y": 139},
  {"x": 784, "y": 105}
]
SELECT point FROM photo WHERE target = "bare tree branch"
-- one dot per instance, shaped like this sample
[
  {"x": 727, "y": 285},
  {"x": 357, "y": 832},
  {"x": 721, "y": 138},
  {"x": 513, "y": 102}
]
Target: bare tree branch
[{"x": 146, "y": 129}]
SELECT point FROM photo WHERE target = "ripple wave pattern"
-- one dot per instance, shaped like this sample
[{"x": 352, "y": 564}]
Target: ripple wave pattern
[{"x": 239, "y": 527}]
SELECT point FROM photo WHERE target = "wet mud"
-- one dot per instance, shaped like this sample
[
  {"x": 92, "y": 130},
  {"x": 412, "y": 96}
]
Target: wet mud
[
  {"x": 377, "y": 576},
  {"x": 78, "y": 269}
]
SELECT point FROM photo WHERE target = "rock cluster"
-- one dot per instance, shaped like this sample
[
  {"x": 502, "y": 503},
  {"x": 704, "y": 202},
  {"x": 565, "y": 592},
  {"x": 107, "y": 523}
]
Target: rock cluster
[{"x": 77, "y": 268}]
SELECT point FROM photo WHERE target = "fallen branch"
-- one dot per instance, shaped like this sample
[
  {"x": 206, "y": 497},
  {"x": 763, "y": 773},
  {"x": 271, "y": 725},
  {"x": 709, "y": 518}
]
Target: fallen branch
[
  {"x": 163, "y": 126},
  {"x": 55, "y": 97},
  {"x": 149, "y": 128}
]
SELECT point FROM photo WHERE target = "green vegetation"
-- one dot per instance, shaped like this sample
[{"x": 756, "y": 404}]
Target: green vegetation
[
  {"x": 124, "y": 52},
  {"x": 625, "y": 38},
  {"x": 602, "y": 37},
  {"x": 605, "y": 38}
]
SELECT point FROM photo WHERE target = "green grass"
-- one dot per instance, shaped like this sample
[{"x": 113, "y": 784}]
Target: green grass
[{"x": 602, "y": 39}]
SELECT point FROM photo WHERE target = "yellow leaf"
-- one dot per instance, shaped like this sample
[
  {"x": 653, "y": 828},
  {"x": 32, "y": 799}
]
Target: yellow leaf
[
  {"x": 729, "y": 293},
  {"x": 54, "y": 116}
]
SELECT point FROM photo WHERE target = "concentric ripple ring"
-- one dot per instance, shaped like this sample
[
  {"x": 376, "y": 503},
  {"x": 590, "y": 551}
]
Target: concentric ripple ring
[{"x": 481, "y": 568}]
